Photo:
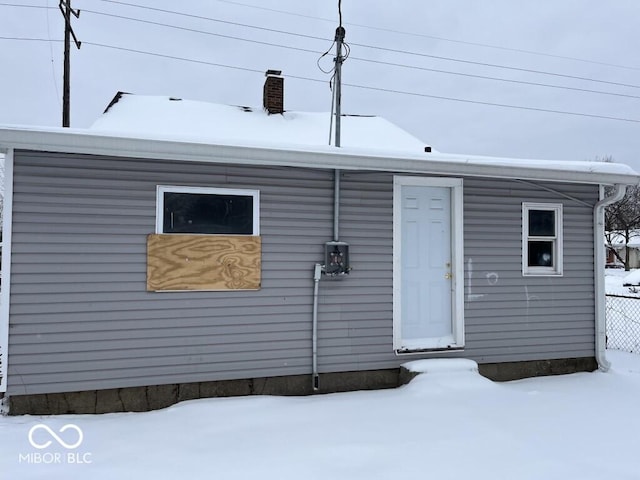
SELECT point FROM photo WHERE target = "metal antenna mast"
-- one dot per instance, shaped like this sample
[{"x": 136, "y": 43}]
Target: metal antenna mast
[
  {"x": 339, "y": 39},
  {"x": 67, "y": 11},
  {"x": 340, "y": 33}
]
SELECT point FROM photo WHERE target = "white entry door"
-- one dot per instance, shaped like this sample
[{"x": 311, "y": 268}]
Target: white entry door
[{"x": 426, "y": 264}]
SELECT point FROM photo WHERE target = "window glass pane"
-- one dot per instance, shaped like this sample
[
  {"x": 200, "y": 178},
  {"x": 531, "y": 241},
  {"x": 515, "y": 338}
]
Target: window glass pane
[
  {"x": 540, "y": 254},
  {"x": 208, "y": 213},
  {"x": 542, "y": 223}
]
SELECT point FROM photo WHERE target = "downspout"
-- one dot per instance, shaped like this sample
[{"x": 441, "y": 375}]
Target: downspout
[{"x": 599, "y": 253}]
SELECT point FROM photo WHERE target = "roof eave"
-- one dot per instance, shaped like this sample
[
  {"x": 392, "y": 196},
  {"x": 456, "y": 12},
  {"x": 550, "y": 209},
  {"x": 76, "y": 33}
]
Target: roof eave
[{"x": 83, "y": 142}]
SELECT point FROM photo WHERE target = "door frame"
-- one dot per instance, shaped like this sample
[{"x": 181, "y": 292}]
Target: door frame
[{"x": 457, "y": 258}]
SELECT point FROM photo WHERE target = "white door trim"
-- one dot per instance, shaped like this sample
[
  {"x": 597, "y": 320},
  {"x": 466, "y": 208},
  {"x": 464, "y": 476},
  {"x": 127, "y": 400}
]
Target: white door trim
[{"x": 457, "y": 253}]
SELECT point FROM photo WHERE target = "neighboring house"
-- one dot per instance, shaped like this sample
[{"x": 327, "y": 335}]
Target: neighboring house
[
  {"x": 174, "y": 250},
  {"x": 617, "y": 241}
]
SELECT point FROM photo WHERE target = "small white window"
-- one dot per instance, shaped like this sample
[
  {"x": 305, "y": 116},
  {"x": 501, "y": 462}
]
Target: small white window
[
  {"x": 214, "y": 211},
  {"x": 541, "y": 239}
]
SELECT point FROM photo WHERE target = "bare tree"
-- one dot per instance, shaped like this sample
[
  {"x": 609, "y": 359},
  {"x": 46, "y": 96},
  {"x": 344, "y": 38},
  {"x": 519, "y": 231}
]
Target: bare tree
[{"x": 622, "y": 223}]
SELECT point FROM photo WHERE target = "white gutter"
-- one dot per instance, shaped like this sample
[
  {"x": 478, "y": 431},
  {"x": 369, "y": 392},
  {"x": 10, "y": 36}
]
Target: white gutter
[
  {"x": 599, "y": 253},
  {"x": 88, "y": 142}
]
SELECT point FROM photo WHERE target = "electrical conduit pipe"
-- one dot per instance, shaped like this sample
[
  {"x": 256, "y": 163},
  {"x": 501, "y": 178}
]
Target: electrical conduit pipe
[{"x": 317, "y": 274}]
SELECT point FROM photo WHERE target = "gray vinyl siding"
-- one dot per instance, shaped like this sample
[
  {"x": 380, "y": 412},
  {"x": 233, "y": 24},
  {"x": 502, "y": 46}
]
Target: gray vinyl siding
[
  {"x": 509, "y": 317},
  {"x": 81, "y": 317}
]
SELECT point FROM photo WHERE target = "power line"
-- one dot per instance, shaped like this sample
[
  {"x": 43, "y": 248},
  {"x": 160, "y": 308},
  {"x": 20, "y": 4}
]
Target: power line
[
  {"x": 217, "y": 20},
  {"x": 367, "y": 87},
  {"x": 233, "y": 37},
  {"x": 53, "y": 67},
  {"x": 503, "y": 105},
  {"x": 420, "y": 35},
  {"x": 499, "y": 47},
  {"x": 27, "y": 39},
  {"x": 2, "y": 4},
  {"x": 419, "y": 54},
  {"x": 380, "y": 62},
  {"x": 498, "y": 79},
  {"x": 204, "y": 32},
  {"x": 173, "y": 57},
  {"x": 382, "y": 29},
  {"x": 493, "y": 65}
]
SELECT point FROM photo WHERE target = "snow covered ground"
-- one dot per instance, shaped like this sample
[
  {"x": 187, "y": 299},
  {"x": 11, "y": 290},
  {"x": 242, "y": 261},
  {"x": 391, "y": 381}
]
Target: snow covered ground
[
  {"x": 442, "y": 425},
  {"x": 613, "y": 280}
]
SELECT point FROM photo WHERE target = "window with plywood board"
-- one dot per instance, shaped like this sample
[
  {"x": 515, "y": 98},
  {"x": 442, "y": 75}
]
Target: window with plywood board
[{"x": 206, "y": 239}]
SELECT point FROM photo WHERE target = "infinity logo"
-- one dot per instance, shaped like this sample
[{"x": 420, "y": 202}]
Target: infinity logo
[{"x": 68, "y": 426}]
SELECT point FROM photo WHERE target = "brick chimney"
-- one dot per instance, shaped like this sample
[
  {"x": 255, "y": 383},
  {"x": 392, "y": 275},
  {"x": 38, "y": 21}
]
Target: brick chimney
[{"x": 273, "y": 93}]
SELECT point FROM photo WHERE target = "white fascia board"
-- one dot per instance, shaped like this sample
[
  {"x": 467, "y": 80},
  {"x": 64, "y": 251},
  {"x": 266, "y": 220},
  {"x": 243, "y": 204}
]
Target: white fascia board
[{"x": 85, "y": 142}]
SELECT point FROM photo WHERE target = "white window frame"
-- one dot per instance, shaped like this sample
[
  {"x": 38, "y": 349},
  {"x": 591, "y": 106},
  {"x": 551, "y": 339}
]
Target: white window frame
[
  {"x": 556, "y": 269},
  {"x": 162, "y": 189}
]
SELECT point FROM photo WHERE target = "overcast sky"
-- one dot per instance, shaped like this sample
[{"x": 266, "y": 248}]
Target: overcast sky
[{"x": 594, "y": 40}]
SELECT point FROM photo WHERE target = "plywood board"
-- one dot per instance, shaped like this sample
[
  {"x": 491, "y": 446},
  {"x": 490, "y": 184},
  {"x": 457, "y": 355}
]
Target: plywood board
[{"x": 203, "y": 262}]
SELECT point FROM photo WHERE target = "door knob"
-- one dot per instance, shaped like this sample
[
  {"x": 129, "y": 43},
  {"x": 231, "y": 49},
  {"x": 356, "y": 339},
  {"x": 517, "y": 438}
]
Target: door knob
[{"x": 448, "y": 276}]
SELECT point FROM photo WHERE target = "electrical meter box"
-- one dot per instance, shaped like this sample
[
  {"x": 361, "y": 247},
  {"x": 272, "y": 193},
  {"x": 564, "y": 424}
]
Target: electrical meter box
[{"x": 336, "y": 258}]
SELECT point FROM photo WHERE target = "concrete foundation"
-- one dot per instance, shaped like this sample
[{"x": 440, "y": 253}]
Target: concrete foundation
[
  {"x": 154, "y": 397},
  {"x": 503, "y": 372}
]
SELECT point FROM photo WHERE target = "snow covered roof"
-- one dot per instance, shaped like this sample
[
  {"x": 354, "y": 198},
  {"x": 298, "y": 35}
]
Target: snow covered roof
[
  {"x": 214, "y": 123},
  {"x": 618, "y": 239},
  {"x": 164, "y": 128}
]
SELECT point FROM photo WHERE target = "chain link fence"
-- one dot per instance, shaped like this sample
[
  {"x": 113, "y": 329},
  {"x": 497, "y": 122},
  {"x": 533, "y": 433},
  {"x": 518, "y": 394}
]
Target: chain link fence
[{"x": 623, "y": 323}]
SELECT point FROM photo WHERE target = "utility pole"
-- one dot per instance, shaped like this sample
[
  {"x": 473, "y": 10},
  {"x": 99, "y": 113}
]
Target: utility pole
[{"x": 67, "y": 11}]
